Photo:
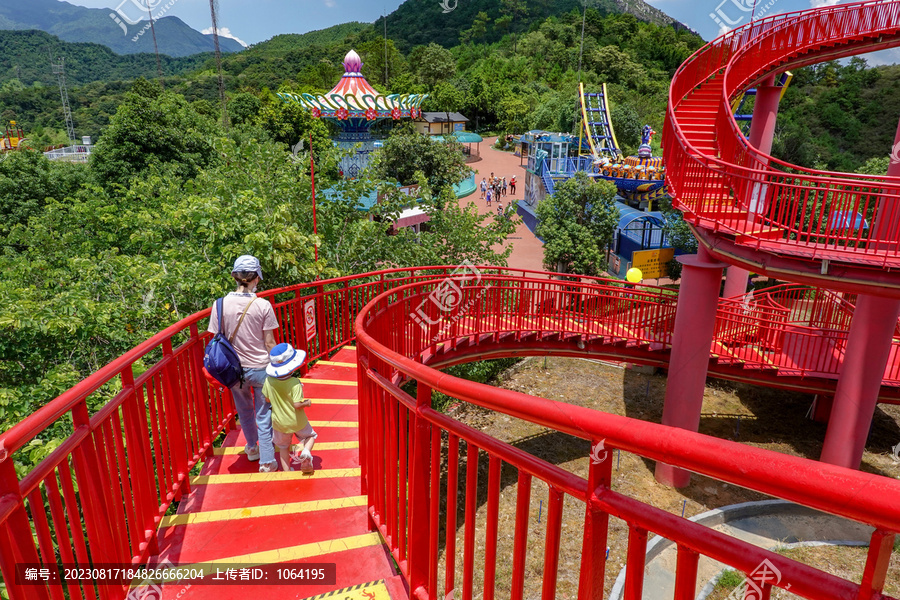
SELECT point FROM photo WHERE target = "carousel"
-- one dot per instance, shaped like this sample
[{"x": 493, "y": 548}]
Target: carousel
[{"x": 355, "y": 107}]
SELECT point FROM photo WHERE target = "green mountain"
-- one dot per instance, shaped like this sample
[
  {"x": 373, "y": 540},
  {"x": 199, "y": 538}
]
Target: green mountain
[
  {"x": 25, "y": 60},
  {"x": 323, "y": 37},
  {"x": 420, "y": 22},
  {"x": 110, "y": 28}
]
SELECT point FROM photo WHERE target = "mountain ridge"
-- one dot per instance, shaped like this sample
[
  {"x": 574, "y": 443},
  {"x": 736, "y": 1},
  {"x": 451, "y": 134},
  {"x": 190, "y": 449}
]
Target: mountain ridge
[{"x": 122, "y": 32}]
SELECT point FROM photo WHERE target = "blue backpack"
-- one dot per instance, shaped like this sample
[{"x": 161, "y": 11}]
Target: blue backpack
[{"x": 220, "y": 360}]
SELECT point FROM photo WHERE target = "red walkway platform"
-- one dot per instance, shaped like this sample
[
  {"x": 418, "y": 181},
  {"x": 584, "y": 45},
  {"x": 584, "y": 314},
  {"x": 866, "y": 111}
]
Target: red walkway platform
[{"x": 235, "y": 515}]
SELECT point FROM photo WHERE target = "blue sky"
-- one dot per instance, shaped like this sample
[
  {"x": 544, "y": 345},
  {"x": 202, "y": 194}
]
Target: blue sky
[{"x": 259, "y": 20}]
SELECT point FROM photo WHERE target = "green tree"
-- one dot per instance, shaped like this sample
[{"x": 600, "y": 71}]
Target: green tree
[
  {"x": 244, "y": 108},
  {"x": 577, "y": 224},
  {"x": 448, "y": 98},
  {"x": 408, "y": 153},
  {"x": 515, "y": 10},
  {"x": 152, "y": 128},
  {"x": 373, "y": 55},
  {"x": 478, "y": 31},
  {"x": 434, "y": 64},
  {"x": 289, "y": 122},
  {"x": 513, "y": 111},
  {"x": 28, "y": 180}
]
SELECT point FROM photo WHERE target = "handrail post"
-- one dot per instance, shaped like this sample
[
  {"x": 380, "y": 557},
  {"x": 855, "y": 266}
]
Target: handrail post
[
  {"x": 175, "y": 434},
  {"x": 16, "y": 541},
  {"x": 347, "y": 320},
  {"x": 596, "y": 525},
  {"x": 419, "y": 495},
  {"x": 93, "y": 493},
  {"x": 140, "y": 466},
  {"x": 201, "y": 402},
  {"x": 364, "y": 398},
  {"x": 877, "y": 562},
  {"x": 321, "y": 333}
]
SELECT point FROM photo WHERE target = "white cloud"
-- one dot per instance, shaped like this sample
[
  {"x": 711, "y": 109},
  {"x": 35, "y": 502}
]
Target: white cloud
[
  {"x": 330, "y": 3},
  {"x": 225, "y": 32},
  {"x": 823, "y": 3}
]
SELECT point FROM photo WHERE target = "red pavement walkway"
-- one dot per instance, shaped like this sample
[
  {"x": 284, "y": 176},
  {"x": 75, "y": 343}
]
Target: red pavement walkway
[
  {"x": 236, "y": 515},
  {"x": 528, "y": 251}
]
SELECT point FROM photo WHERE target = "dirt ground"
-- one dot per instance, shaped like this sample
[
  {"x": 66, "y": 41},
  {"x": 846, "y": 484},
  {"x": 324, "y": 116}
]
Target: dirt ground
[{"x": 760, "y": 417}]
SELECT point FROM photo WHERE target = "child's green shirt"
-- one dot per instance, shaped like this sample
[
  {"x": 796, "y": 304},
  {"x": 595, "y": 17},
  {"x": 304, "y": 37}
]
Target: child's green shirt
[{"x": 281, "y": 394}]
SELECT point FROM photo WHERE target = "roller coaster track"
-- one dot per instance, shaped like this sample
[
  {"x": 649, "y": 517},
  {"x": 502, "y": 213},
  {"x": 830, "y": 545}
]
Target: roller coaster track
[
  {"x": 755, "y": 210},
  {"x": 597, "y": 123}
]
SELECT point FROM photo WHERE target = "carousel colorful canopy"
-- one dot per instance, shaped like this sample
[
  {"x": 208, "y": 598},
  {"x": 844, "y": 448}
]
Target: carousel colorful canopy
[{"x": 354, "y": 98}]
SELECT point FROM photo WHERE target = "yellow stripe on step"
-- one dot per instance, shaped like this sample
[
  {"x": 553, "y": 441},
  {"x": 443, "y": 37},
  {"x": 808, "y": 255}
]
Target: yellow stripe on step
[
  {"x": 280, "y": 555},
  {"x": 271, "y": 510},
  {"x": 352, "y": 401},
  {"x": 319, "y": 446},
  {"x": 276, "y": 476},
  {"x": 347, "y": 348},
  {"x": 327, "y": 381},
  {"x": 331, "y": 363},
  {"x": 334, "y": 423}
]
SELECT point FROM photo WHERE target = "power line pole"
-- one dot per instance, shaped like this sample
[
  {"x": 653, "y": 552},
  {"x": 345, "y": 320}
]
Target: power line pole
[
  {"x": 385, "y": 51},
  {"x": 214, "y": 9},
  {"x": 159, "y": 72},
  {"x": 59, "y": 69}
]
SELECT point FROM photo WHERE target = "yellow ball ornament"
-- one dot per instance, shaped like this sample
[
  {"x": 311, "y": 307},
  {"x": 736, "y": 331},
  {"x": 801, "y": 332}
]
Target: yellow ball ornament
[{"x": 634, "y": 275}]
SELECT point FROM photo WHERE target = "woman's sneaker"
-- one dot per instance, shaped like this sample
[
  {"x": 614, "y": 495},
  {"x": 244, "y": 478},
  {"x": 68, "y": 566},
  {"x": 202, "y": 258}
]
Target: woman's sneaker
[
  {"x": 268, "y": 467},
  {"x": 252, "y": 453}
]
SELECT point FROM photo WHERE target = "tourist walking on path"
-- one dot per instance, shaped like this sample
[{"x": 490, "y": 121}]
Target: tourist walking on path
[
  {"x": 490, "y": 194},
  {"x": 483, "y": 187},
  {"x": 512, "y": 185},
  {"x": 249, "y": 323},
  {"x": 285, "y": 393},
  {"x": 504, "y": 186}
]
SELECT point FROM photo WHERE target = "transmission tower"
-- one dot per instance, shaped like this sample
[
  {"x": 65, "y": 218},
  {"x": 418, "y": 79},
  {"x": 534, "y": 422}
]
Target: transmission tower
[
  {"x": 159, "y": 72},
  {"x": 59, "y": 69},
  {"x": 214, "y": 9}
]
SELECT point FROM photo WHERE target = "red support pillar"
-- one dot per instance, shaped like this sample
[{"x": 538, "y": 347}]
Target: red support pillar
[
  {"x": 762, "y": 133},
  {"x": 866, "y": 355},
  {"x": 695, "y": 321}
]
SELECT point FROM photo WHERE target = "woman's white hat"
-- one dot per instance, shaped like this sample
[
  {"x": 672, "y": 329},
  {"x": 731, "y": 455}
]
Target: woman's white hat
[
  {"x": 284, "y": 360},
  {"x": 249, "y": 264}
]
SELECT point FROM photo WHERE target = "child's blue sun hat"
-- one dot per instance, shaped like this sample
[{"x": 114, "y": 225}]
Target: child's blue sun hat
[{"x": 284, "y": 360}]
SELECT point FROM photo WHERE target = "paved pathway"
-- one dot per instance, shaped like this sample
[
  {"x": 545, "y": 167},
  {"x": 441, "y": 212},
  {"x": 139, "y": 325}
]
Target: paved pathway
[{"x": 528, "y": 251}]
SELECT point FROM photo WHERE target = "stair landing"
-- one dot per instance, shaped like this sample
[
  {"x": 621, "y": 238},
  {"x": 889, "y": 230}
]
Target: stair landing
[{"x": 235, "y": 515}]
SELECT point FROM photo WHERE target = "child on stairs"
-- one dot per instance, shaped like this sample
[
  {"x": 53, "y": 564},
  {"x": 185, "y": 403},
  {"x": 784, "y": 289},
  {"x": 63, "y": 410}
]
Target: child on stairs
[{"x": 285, "y": 393}]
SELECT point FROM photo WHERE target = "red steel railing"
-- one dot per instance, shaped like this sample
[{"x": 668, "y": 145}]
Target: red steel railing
[
  {"x": 411, "y": 459},
  {"x": 98, "y": 497},
  {"x": 767, "y": 202}
]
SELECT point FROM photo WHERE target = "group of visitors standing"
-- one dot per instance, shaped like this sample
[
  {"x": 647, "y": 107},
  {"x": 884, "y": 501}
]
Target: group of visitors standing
[
  {"x": 269, "y": 400},
  {"x": 494, "y": 188}
]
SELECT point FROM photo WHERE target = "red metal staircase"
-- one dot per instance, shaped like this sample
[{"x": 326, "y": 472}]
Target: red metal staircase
[{"x": 753, "y": 210}]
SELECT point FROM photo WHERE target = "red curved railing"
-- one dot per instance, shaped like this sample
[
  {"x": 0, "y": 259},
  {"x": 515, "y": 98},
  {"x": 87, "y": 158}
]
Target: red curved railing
[
  {"x": 402, "y": 434},
  {"x": 764, "y": 202},
  {"x": 99, "y": 495}
]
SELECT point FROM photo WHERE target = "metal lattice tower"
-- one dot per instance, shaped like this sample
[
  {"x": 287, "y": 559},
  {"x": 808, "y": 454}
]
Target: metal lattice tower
[{"x": 59, "y": 69}]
